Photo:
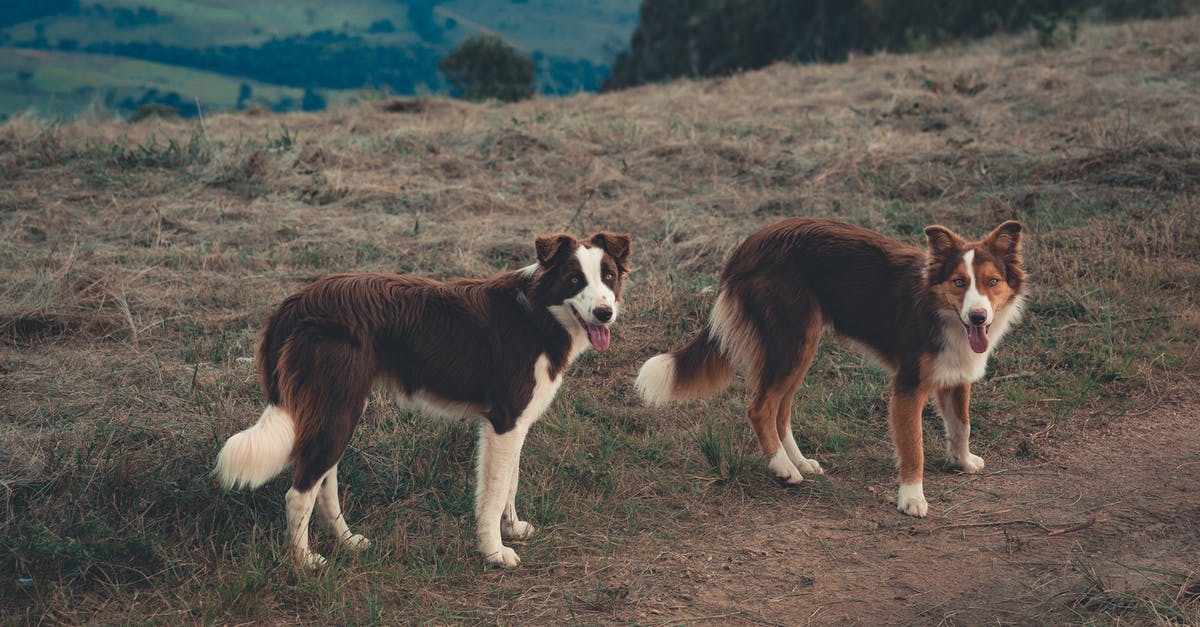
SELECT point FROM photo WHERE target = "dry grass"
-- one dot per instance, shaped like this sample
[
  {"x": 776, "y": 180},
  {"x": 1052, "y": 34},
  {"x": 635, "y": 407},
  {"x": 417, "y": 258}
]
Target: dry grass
[{"x": 138, "y": 261}]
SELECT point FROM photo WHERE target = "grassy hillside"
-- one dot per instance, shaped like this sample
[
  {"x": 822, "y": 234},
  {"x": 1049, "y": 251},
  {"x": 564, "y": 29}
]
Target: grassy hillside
[
  {"x": 138, "y": 261},
  {"x": 573, "y": 43},
  {"x": 65, "y": 83}
]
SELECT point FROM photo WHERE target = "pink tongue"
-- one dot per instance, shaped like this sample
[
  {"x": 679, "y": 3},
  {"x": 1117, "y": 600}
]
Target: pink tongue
[
  {"x": 977, "y": 336},
  {"x": 599, "y": 335}
]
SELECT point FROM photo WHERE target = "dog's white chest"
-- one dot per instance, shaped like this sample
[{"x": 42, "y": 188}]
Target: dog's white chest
[{"x": 958, "y": 364}]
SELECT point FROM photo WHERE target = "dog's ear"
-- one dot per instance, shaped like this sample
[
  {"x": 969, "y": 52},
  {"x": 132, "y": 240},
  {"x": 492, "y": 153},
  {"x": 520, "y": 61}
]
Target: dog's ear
[
  {"x": 616, "y": 245},
  {"x": 549, "y": 246},
  {"x": 942, "y": 241},
  {"x": 1005, "y": 241}
]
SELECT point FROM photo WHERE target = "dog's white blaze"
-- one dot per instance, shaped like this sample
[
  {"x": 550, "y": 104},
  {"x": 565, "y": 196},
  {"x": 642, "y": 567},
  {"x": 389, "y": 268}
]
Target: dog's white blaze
[
  {"x": 496, "y": 469},
  {"x": 595, "y": 293},
  {"x": 254, "y": 456},
  {"x": 656, "y": 380},
  {"x": 973, "y": 300}
]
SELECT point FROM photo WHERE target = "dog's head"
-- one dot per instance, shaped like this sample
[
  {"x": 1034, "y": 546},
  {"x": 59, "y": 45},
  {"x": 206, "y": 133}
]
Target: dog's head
[
  {"x": 584, "y": 279},
  {"x": 977, "y": 282}
]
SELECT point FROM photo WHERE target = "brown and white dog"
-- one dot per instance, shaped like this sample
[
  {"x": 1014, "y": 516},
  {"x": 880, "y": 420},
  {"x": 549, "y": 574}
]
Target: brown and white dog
[
  {"x": 491, "y": 349},
  {"x": 931, "y": 317}
]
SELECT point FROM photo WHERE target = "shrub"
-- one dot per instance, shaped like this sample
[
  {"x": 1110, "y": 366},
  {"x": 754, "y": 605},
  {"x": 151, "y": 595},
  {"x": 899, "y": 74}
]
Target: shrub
[{"x": 485, "y": 66}]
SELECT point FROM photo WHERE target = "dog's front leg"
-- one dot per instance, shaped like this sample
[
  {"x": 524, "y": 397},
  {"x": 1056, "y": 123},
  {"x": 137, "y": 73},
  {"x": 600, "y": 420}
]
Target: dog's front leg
[
  {"x": 953, "y": 404},
  {"x": 905, "y": 413},
  {"x": 510, "y": 525},
  {"x": 495, "y": 486}
]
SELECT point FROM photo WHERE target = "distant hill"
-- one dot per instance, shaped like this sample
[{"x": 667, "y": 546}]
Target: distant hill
[{"x": 61, "y": 56}]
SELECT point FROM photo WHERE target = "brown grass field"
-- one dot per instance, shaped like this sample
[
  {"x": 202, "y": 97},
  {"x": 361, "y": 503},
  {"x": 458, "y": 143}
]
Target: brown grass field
[{"x": 137, "y": 263}]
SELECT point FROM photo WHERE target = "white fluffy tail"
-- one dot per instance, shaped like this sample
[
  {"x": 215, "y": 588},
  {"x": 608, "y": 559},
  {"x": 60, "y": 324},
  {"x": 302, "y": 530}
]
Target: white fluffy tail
[
  {"x": 254, "y": 456},
  {"x": 656, "y": 380}
]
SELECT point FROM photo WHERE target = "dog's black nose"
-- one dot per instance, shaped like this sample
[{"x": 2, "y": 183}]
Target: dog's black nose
[
  {"x": 603, "y": 313},
  {"x": 977, "y": 316}
]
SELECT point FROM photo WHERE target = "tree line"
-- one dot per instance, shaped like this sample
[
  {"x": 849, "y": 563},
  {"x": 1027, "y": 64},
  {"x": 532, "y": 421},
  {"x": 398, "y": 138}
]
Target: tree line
[{"x": 677, "y": 38}]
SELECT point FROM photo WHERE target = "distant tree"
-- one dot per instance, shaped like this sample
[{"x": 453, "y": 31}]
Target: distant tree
[
  {"x": 39, "y": 36},
  {"x": 244, "y": 94},
  {"x": 311, "y": 101},
  {"x": 711, "y": 37},
  {"x": 485, "y": 66}
]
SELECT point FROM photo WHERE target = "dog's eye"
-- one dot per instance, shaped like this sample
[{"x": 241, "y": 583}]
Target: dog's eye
[
  {"x": 575, "y": 280},
  {"x": 608, "y": 276},
  {"x": 959, "y": 282},
  {"x": 993, "y": 282}
]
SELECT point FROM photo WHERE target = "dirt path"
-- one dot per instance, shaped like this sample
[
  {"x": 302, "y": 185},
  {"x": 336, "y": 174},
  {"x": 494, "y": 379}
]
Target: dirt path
[{"x": 1106, "y": 524}]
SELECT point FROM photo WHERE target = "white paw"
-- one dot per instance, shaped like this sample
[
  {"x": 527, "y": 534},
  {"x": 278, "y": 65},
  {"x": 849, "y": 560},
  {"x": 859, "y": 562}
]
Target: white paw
[
  {"x": 971, "y": 464},
  {"x": 784, "y": 468},
  {"x": 811, "y": 466},
  {"x": 355, "y": 542},
  {"x": 309, "y": 560},
  {"x": 518, "y": 530},
  {"x": 911, "y": 500},
  {"x": 505, "y": 557}
]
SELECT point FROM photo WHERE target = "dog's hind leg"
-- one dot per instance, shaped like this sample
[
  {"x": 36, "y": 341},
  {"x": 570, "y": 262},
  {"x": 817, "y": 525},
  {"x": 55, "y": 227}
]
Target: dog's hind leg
[
  {"x": 762, "y": 412},
  {"x": 330, "y": 509},
  {"x": 794, "y": 328},
  {"x": 783, "y": 419},
  {"x": 783, "y": 422},
  {"x": 315, "y": 483},
  {"x": 327, "y": 403},
  {"x": 299, "y": 512}
]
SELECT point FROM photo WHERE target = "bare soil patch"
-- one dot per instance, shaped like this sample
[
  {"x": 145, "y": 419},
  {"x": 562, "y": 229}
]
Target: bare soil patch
[{"x": 1103, "y": 525}]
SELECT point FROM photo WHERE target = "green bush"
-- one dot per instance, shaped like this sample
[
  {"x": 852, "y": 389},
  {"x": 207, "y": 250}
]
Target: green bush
[{"x": 483, "y": 67}]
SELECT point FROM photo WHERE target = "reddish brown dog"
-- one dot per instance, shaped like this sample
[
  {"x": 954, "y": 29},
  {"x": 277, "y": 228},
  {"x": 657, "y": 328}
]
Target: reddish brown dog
[{"x": 931, "y": 317}]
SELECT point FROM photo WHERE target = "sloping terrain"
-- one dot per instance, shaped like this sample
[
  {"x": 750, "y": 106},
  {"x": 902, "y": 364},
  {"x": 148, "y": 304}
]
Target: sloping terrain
[{"x": 138, "y": 261}]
